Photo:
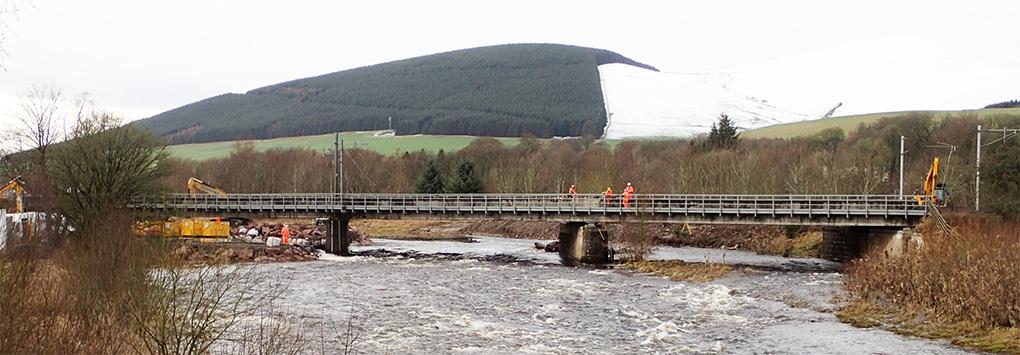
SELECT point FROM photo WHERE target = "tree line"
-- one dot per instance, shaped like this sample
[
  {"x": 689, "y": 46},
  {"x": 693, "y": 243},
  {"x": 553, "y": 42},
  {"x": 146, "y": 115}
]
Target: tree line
[{"x": 1005, "y": 104}]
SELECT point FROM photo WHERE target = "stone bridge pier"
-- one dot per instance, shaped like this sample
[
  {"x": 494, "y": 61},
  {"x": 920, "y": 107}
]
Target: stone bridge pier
[
  {"x": 338, "y": 240},
  {"x": 583, "y": 243},
  {"x": 848, "y": 243}
]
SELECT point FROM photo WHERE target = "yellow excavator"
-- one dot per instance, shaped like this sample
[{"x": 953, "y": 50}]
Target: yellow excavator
[
  {"x": 15, "y": 185},
  {"x": 190, "y": 227},
  {"x": 196, "y": 186},
  {"x": 932, "y": 189}
]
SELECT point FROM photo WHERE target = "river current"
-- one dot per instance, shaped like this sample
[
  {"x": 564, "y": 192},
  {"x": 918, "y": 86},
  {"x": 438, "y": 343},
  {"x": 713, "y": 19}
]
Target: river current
[{"x": 430, "y": 301}]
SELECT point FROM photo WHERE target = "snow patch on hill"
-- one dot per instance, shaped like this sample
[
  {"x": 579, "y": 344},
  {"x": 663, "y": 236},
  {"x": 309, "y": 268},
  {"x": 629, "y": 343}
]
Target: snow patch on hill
[
  {"x": 643, "y": 103},
  {"x": 898, "y": 73}
]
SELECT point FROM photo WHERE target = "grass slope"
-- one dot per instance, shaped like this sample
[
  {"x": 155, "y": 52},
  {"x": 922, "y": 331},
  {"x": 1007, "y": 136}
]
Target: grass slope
[
  {"x": 508, "y": 90},
  {"x": 850, "y": 123},
  {"x": 324, "y": 142}
]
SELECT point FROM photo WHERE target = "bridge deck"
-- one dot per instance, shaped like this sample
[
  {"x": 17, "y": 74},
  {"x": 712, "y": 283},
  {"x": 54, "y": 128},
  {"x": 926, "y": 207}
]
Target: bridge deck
[{"x": 876, "y": 210}]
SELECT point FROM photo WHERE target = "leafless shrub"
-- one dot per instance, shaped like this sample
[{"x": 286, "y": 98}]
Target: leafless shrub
[
  {"x": 268, "y": 332},
  {"x": 348, "y": 333},
  {"x": 636, "y": 240},
  {"x": 968, "y": 278},
  {"x": 187, "y": 311}
]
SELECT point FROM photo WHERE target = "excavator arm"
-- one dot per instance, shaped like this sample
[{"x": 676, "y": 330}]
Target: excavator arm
[
  {"x": 196, "y": 186},
  {"x": 930, "y": 183}
]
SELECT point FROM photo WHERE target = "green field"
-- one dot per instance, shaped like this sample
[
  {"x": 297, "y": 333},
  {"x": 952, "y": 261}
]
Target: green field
[
  {"x": 375, "y": 141},
  {"x": 850, "y": 123}
]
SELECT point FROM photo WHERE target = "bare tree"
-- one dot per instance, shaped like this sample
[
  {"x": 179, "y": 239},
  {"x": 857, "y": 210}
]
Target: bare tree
[{"x": 40, "y": 122}]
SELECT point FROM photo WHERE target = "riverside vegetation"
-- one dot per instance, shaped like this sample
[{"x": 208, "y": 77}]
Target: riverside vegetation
[
  {"x": 76, "y": 279},
  {"x": 960, "y": 286}
]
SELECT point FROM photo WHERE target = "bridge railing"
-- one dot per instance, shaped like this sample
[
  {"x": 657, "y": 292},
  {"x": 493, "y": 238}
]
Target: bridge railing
[{"x": 810, "y": 205}]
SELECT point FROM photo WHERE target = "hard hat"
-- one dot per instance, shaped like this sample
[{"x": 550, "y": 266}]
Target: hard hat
[{"x": 628, "y": 184}]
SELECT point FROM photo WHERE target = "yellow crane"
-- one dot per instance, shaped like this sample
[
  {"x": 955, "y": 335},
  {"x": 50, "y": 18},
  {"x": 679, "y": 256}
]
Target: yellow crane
[
  {"x": 15, "y": 185},
  {"x": 196, "y": 186}
]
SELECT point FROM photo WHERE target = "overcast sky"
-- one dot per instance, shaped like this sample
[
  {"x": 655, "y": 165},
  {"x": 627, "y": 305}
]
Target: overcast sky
[{"x": 139, "y": 58}]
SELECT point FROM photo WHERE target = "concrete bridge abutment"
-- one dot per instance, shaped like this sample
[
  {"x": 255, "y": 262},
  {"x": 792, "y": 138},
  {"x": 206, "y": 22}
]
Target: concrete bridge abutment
[
  {"x": 582, "y": 243},
  {"x": 848, "y": 243},
  {"x": 338, "y": 240}
]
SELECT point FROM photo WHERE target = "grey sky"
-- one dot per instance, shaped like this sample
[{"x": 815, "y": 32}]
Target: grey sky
[{"x": 138, "y": 58}]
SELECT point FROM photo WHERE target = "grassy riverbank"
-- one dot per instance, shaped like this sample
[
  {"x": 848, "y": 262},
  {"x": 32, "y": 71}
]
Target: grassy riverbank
[
  {"x": 961, "y": 287},
  {"x": 678, "y": 270}
]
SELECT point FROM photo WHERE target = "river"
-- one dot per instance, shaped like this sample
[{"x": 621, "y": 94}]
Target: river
[{"x": 455, "y": 297}]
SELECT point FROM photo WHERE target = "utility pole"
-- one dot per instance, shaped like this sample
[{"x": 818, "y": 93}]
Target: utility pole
[
  {"x": 902, "y": 139},
  {"x": 977, "y": 174},
  {"x": 341, "y": 156},
  {"x": 336, "y": 163}
]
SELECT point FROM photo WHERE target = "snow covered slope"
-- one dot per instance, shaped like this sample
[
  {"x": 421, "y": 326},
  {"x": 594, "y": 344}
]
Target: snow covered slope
[
  {"x": 900, "y": 73},
  {"x": 644, "y": 103}
]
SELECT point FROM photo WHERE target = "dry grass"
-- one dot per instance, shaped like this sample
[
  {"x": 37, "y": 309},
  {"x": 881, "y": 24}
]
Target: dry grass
[
  {"x": 960, "y": 287},
  {"x": 678, "y": 270},
  {"x": 805, "y": 245},
  {"x": 769, "y": 240},
  {"x": 103, "y": 291}
]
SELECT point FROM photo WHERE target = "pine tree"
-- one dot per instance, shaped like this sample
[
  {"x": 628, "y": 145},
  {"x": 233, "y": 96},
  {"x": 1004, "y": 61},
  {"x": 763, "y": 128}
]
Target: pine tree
[
  {"x": 466, "y": 181},
  {"x": 431, "y": 179},
  {"x": 724, "y": 135}
]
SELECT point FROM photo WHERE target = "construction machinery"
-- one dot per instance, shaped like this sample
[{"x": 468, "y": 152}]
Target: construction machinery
[
  {"x": 934, "y": 191},
  {"x": 15, "y": 185},
  {"x": 198, "y": 227},
  {"x": 196, "y": 186}
]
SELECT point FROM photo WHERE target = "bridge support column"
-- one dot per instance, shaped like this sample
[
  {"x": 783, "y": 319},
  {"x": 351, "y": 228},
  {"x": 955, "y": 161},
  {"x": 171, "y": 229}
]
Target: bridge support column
[
  {"x": 338, "y": 240},
  {"x": 582, "y": 243},
  {"x": 847, "y": 243}
]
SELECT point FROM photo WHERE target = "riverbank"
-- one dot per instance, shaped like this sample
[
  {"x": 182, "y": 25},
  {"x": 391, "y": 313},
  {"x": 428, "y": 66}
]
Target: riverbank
[
  {"x": 193, "y": 252},
  {"x": 960, "y": 286}
]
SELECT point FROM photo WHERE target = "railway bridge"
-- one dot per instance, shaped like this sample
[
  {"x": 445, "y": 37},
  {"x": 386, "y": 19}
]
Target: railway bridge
[{"x": 851, "y": 216}]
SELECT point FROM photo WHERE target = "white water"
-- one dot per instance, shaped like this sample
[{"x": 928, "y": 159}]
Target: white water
[{"x": 430, "y": 305}]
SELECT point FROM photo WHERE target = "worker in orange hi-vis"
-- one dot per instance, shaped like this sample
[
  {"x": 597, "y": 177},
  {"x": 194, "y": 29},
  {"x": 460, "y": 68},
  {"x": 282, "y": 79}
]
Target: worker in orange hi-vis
[
  {"x": 572, "y": 191},
  {"x": 609, "y": 196},
  {"x": 285, "y": 233},
  {"x": 628, "y": 195}
]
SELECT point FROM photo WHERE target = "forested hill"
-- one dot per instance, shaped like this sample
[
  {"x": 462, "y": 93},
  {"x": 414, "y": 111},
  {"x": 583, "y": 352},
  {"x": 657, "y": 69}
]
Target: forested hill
[{"x": 507, "y": 90}]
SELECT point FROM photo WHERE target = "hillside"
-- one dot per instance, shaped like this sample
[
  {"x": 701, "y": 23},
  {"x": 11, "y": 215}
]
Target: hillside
[
  {"x": 850, "y": 123},
  {"x": 644, "y": 103},
  {"x": 508, "y": 90},
  {"x": 373, "y": 141}
]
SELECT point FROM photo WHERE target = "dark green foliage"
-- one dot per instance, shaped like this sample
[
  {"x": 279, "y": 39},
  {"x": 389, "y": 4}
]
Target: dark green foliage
[
  {"x": 724, "y": 134},
  {"x": 431, "y": 179},
  {"x": 509, "y": 90},
  {"x": 1003, "y": 178},
  {"x": 466, "y": 181},
  {"x": 829, "y": 138},
  {"x": 1005, "y": 104}
]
